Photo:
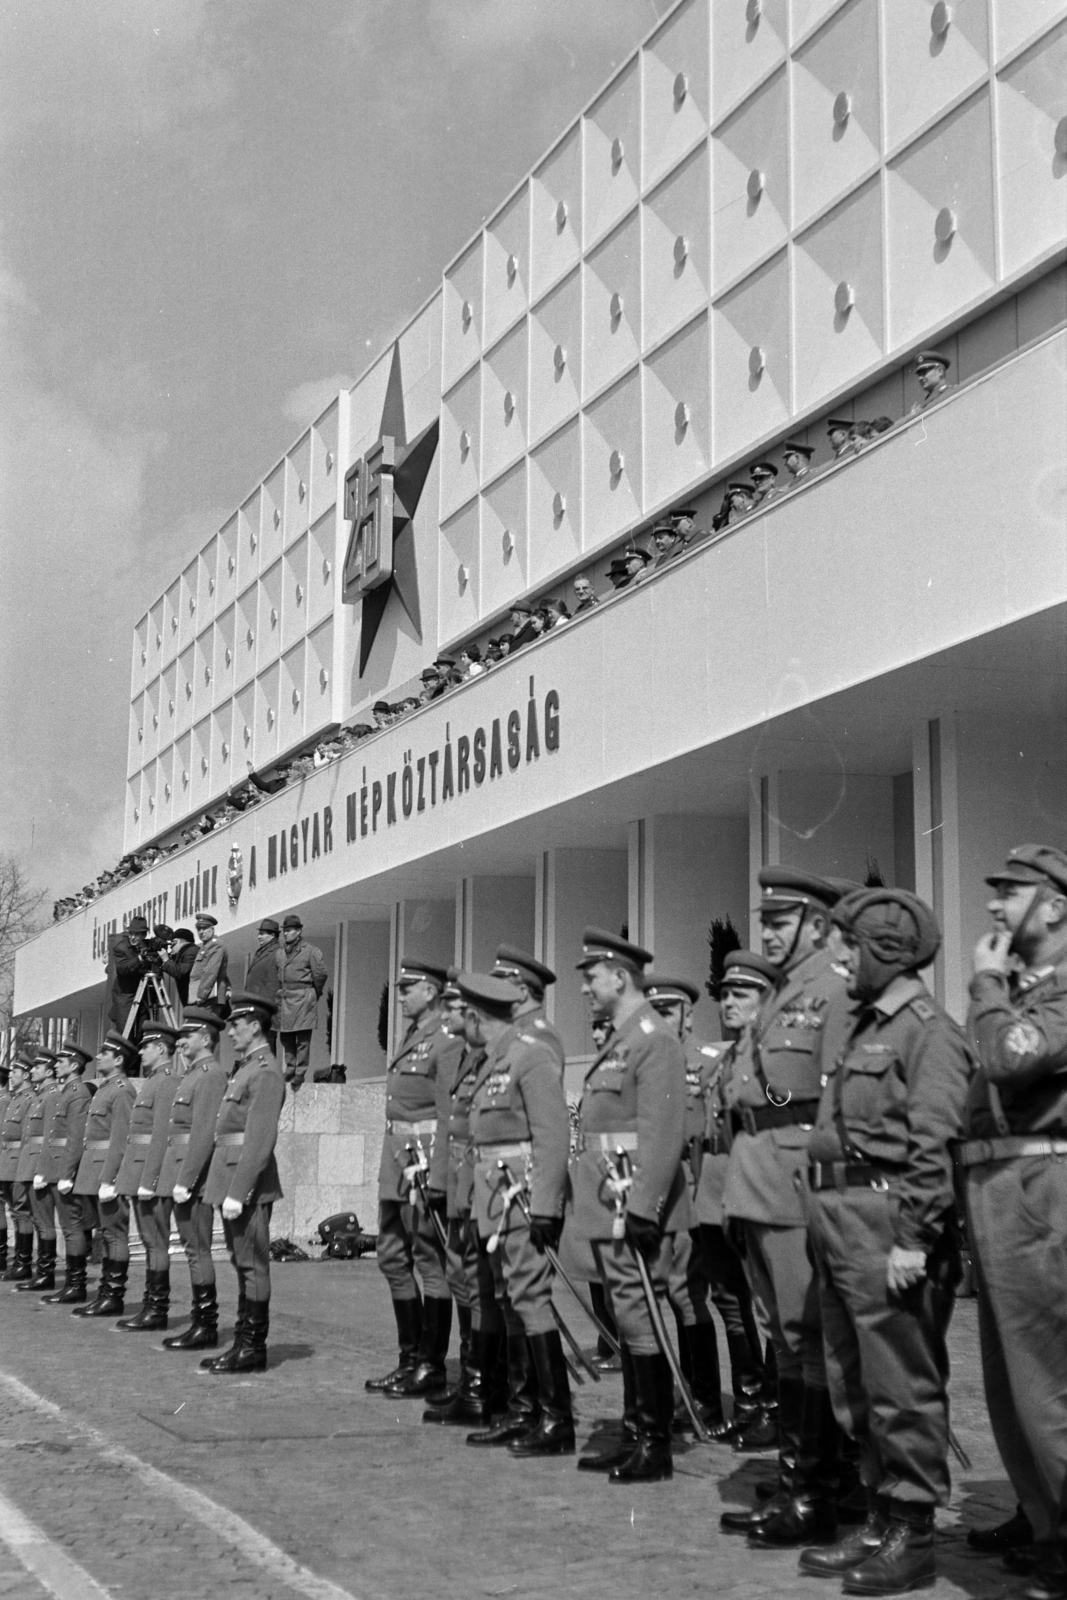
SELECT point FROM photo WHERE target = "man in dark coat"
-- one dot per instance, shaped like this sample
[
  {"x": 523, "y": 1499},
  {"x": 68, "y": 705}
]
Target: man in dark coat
[
  {"x": 262, "y": 975},
  {"x": 179, "y": 962},
  {"x": 126, "y": 968},
  {"x": 301, "y": 980}
]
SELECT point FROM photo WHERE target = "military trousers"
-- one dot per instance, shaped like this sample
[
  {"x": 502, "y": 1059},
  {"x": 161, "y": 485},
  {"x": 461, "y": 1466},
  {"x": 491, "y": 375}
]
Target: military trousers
[
  {"x": 622, "y": 1283},
  {"x": 461, "y": 1264},
  {"x": 248, "y": 1241},
  {"x": 1017, "y": 1221},
  {"x": 115, "y": 1227},
  {"x": 75, "y": 1221},
  {"x": 495, "y": 1313},
  {"x": 153, "y": 1224},
  {"x": 296, "y": 1048},
  {"x": 525, "y": 1277},
  {"x": 781, "y": 1274},
  {"x": 886, "y": 1356},
  {"x": 196, "y": 1222},
  {"x": 687, "y": 1286},
  {"x": 43, "y": 1209},
  {"x": 730, "y": 1292},
  {"x": 406, "y": 1241},
  {"x": 18, "y": 1205}
]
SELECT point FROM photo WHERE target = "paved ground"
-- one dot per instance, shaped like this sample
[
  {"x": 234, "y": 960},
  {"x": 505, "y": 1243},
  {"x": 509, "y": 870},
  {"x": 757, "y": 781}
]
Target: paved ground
[{"x": 125, "y": 1472}]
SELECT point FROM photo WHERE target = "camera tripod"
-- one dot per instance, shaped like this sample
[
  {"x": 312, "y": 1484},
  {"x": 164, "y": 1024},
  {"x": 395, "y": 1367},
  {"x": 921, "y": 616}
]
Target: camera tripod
[{"x": 152, "y": 995}]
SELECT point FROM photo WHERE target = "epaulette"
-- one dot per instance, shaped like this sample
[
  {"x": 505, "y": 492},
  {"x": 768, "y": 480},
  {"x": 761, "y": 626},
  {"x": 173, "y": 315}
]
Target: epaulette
[
  {"x": 922, "y": 1009},
  {"x": 710, "y": 1050},
  {"x": 647, "y": 1026},
  {"x": 528, "y": 1038}
]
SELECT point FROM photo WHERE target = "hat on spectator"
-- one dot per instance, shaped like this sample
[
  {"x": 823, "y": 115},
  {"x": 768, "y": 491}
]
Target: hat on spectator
[
  {"x": 196, "y": 1017},
  {"x": 162, "y": 931},
  {"x": 599, "y": 945},
  {"x": 427, "y": 675},
  {"x": 837, "y": 425},
  {"x": 745, "y": 969},
  {"x": 291, "y": 920},
  {"x": 495, "y": 996},
  {"x": 159, "y": 1030},
  {"x": 76, "y": 1052},
  {"x": 137, "y": 925},
  {"x": 204, "y": 919},
  {"x": 185, "y": 934},
  {"x": 117, "y": 1044},
  {"x": 665, "y": 525},
  {"x": 1034, "y": 863},
  {"x": 743, "y": 488},
  {"x": 931, "y": 358},
  {"x": 637, "y": 550},
  {"x": 268, "y": 925},
  {"x": 782, "y": 889},
  {"x": 412, "y": 972},
  {"x": 764, "y": 469},
  {"x": 521, "y": 606},
  {"x": 669, "y": 991},
  {"x": 795, "y": 448},
  {"x": 521, "y": 968},
  {"x": 246, "y": 1004}
]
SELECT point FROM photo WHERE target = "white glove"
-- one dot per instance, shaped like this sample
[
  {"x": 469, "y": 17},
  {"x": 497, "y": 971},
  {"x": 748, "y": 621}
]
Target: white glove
[
  {"x": 146, "y": 1194},
  {"x": 231, "y": 1209},
  {"x": 181, "y": 1196},
  {"x": 65, "y": 1185},
  {"x": 39, "y": 1182},
  {"x": 106, "y": 1191}
]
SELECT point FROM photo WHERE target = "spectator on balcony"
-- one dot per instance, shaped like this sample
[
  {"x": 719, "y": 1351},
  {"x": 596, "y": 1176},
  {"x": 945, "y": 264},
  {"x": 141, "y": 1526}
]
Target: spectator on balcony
[
  {"x": 554, "y": 612},
  {"x": 880, "y": 425},
  {"x": 764, "y": 474},
  {"x": 497, "y": 649},
  {"x": 208, "y": 982},
  {"x": 619, "y": 573},
  {"x": 522, "y": 623},
  {"x": 269, "y": 785},
  {"x": 432, "y": 685},
  {"x": 450, "y": 673},
  {"x": 839, "y": 434},
  {"x": 382, "y": 712},
  {"x": 797, "y": 459},
  {"x": 931, "y": 369},
  {"x": 584, "y": 594},
  {"x": 301, "y": 980},
  {"x": 178, "y": 963},
  {"x": 737, "y": 502},
  {"x": 470, "y": 661}
]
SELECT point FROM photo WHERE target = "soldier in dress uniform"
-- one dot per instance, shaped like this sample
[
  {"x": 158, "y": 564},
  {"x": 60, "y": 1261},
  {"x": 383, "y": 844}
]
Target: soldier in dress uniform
[
  {"x": 531, "y": 977},
  {"x": 881, "y": 1223},
  {"x": 406, "y": 1235},
  {"x": 42, "y": 1205},
  {"x": 931, "y": 368},
  {"x": 208, "y": 981},
  {"x": 242, "y": 1179},
  {"x": 138, "y": 1176},
  {"x": 773, "y": 1096},
  {"x": 839, "y": 433},
  {"x": 520, "y": 1130},
  {"x": 797, "y": 458},
  {"x": 15, "y": 1193},
  {"x": 1015, "y": 1184},
  {"x": 60, "y": 1158},
  {"x": 628, "y": 1190},
  {"x": 106, "y": 1128},
  {"x": 764, "y": 474},
  {"x": 190, "y": 1144}
]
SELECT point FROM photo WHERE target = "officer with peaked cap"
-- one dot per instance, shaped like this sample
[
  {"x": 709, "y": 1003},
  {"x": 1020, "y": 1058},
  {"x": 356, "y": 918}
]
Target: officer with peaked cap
[
  {"x": 138, "y": 1176},
  {"x": 520, "y": 1129},
  {"x": 931, "y": 367},
  {"x": 406, "y": 1235},
  {"x": 190, "y": 1146},
  {"x": 207, "y": 976},
  {"x": 531, "y": 977},
  {"x": 797, "y": 458},
  {"x": 881, "y": 1224},
  {"x": 42, "y": 1205},
  {"x": 628, "y": 1190},
  {"x": 106, "y": 1128},
  {"x": 60, "y": 1158},
  {"x": 773, "y": 1096},
  {"x": 763, "y": 475},
  {"x": 1015, "y": 1174},
  {"x": 15, "y": 1194},
  {"x": 242, "y": 1179}
]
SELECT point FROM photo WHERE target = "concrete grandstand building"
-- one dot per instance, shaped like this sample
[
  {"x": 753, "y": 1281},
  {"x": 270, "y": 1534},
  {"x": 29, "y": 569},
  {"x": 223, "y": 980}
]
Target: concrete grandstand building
[{"x": 764, "y": 217}]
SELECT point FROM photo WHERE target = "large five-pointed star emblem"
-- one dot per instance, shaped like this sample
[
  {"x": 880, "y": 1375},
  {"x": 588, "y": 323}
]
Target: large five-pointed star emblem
[{"x": 382, "y": 492}]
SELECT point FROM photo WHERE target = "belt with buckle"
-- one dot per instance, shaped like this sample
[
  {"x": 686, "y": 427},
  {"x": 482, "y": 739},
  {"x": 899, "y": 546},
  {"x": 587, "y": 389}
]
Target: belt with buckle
[
  {"x": 979, "y": 1152},
  {"x": 138, "y": 1138},
  {"x": 177, "y": 1139},
  {"x": 411, "y": 1128},
  {"x": 230, "y": 1138},
  {"x": 847, "y": 1175},
  {"x": 757, "y": 1119},
  {"x": 12, "y": 1144},
  {"x": 58, "y": 1144},
  {"x": 501, "y": 1152},
  {"x": 608, "y": 1143},
  {"x": 34, "y": 1142},
  {"x": 98, "y": 1144}
]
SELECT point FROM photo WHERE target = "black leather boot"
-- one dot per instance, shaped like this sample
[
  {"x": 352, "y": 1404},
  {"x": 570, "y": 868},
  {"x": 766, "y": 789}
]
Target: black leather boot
[
  {"x": 45, "y": 1276},
  {"x": 408, "y": 1314},
  {"x": 22, "y": 1267},
  {"x": 905, "y": 1559},
  {"x": 73, "y": 1291},
  {"x": 810, "y": 1514},
  {"x": 154, "y": 1307},
  {"x": 238, "y": 1333},
  {"x": 1014, "y": 1534},
  {"x": 111, "y": 1295},
  {"x": 523, "y": 1408},
  {"x": 203, "y": 1331},
  {"x": 446, "y": 1396},
  {"x": 616, "y": 1454},
  {"x": 248, "y": 1353},
  {"x": 429, "y": 1373},
  {"x": 705, "y": 1382},
  {"x": 470, "y": 1404},
  {"x": 650, "y": 1460},
  {"x": 761, "y": 1434},
  {"x": 3, "y": 1249},
  {"x": 790, "y": 1410},
  {"x": 830, "y": 1561},
  {"x": 554, "y": 1433}
]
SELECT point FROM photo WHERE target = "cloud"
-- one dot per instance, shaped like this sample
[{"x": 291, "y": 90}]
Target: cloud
[{"x": 309, "y": 400}]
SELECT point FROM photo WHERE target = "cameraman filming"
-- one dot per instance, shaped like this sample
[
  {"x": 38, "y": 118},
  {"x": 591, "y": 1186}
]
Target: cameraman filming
[
  {"x": 181, "y": 953},
  {"x": 126, "y": 967}
]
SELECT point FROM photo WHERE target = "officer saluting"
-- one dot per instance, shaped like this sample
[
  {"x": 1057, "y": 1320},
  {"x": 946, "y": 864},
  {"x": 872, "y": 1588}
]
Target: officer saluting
[
  {"x": 243, "y": 1177},
  {"x": 629, "y": 1194},
  {"x": 406, "y": 1236},
  {"x": 881, "y": 1203},
  {"x": 1016, "y": 1192},
  {"x": 190, "y": 1146}
]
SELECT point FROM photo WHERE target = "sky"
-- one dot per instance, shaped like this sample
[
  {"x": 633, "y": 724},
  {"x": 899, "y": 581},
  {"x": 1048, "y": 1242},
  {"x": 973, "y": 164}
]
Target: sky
[{"x": 212, "y": 214}]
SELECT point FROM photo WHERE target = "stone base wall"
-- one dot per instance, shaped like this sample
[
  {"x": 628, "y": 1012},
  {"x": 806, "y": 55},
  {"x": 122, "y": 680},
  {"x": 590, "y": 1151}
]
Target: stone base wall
[{"x": 329, "y": 1147}]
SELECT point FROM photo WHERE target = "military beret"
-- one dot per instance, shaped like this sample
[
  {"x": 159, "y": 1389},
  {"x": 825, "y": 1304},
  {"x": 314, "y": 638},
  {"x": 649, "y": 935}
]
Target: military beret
[
  {"x": 599, "y": 945},
  {"x": 1034, "y": 863},
  {"x": 159, "y": 1030},
  {"x": 421, "y": 972},
  {"x": 794, "y": 447},
  {"x": 765, "y": 469},
  {"x": 137, "y": 925},
  {"x": 246, "y": 1003},
  {"x": 742, "y": 488},
  {"x": 76, "y": 1052},
  {"x": 118, "y": 1045},
  {"x": 670, "y": 990},
  {"x": 931, "y": 358},
  {"x": 196, "y": 1017},
  {"x": 204, "y": 919},
  {"x": 894, "y": 922},
  {"x": 744, "y": 969},
  {"x": 495, "y": 996},
  {"x": 836, "y": 425},
  {"x": 268, "y": 925},
  {"x": 291, "y": 921},
  {"x": 512, "y": 963},
  {"x": 782, "y": 888}
]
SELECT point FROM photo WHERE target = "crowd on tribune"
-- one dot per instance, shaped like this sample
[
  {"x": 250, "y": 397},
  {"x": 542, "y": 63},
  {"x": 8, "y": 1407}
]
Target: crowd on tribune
[
  {"x": 811, "y": 1177},
  {"x": 670, "y": 537}
]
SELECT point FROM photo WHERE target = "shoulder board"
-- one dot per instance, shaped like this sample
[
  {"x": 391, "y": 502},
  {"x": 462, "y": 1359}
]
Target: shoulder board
[
  {"x": 922, "y": 1009},
  {"x": 528, "y": 1038},
  {"x": 647, "y": 1025},
  {"x": 710, "y": 1050}
]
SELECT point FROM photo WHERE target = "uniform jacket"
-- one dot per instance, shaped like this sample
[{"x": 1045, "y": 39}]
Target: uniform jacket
[
  {"x": 208, "y": 972},
  {"x": 536, "y": 1022},
  {"x": 108, "y": 1119},
  {"x": 796, "y": 1029},
  {"x": 518, "y": 1098},
  {"x": 411, "y": 1096},
  {"x": 902, "y": 1078},
  {"x": 59, "y": 1161},
  {"x": 709, "y": 1171},
  {"x": 32, "y": 1137},
  {"x": 301, "y": 979},
  {"x": 636, "y": 1085},
  {"x": 262, "y": 975},
  {"x": 250, "y": 1107},
  {"x": 15, "y": 1111},
  {"x": 146, "y": 1141},
  {"x": 191, "y": 1126},
  {"x": 452, "y": 1163},
  {"x": 1019, "y": 1032}
]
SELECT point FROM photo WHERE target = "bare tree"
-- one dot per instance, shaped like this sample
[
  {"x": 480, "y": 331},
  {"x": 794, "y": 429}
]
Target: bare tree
[{"x": 20, "y": 918}]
